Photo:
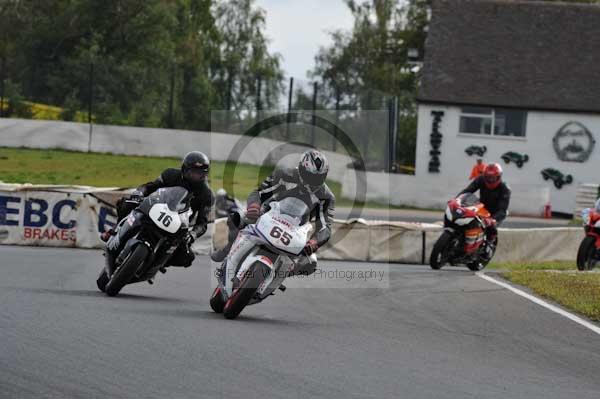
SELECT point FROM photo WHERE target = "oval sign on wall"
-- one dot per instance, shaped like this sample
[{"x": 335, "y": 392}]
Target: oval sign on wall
[{"x": 573, "y": 142}]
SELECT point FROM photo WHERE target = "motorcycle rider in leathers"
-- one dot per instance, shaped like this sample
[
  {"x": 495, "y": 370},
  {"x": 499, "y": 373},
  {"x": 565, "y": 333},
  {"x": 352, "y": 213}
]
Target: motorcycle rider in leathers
[
  {"x": 495, "y": 196},
  {"x": 193, "y": 175},
  {"x": 306, "y": 182}
]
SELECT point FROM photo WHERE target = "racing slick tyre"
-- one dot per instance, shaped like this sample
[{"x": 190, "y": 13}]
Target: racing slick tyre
[
  {"x": 586, "y": 254},
  {"x": 439, "y": 254},
  {"x": 476, "y": 266},
  {"x": 126, "y": 270},
  {"x": 102, "y": 280},
  {"x": 217, "y": 304},
  {"x": 242, "y": 295}
]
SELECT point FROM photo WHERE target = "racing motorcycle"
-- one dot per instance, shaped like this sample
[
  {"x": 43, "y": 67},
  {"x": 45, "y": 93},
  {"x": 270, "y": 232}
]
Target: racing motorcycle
[
  {"x": 145, "y": 240},
  {"x": 589, "y": 249},
  {"x": 463, "y": 239},
  {"x": 262, "y": 256}
]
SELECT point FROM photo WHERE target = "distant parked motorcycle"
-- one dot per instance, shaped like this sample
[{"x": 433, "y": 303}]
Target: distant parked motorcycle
[
  {"x": 588, "y": 254},
  {"x": 226, "y": 204},
  {"x": 463, "y": 240},
  {"x": 262, "y": 257},
  {"x": 146, "y": 239}
]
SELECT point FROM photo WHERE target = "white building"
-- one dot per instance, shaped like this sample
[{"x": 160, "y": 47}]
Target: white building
[{"x": 520, "y": 77}]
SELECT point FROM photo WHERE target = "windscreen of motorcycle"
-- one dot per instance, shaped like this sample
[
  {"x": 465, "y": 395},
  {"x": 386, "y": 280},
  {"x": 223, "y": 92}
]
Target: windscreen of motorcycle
[{"x": 468, "y": 199}]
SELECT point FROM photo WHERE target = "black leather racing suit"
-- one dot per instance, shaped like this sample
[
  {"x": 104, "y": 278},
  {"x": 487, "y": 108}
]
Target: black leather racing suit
[
  {"x": 201, "y": 202},
  {"x": 496, "y": 200},
  {"x": 286, "y": 183}
]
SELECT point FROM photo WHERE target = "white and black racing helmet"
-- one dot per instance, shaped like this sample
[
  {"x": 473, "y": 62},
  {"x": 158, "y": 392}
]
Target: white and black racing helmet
[{"x": 313, "y": 169}]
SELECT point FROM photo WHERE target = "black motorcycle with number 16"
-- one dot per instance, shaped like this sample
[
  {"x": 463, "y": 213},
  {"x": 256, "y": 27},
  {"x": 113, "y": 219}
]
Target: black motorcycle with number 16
[{"x": 146, "y": 239}]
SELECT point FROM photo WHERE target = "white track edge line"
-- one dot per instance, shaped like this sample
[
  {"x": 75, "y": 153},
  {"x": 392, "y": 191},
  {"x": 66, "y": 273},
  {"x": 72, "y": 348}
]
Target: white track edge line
[{"x": 542, "y": 303}]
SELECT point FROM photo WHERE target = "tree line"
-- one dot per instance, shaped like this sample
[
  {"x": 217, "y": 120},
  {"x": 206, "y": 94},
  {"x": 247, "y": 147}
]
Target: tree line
[{"x": 164, "y": 63}]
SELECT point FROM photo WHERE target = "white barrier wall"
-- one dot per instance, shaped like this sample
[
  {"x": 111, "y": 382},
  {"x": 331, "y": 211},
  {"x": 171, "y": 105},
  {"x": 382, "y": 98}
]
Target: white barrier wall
[
  {"x": 151, "y": 142},
  {"x": 400, "y": 242},
  {"x": 72, "y": 216},
  {"x": 435, "y": 191}
]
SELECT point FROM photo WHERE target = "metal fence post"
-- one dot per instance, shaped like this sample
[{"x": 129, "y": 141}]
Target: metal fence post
[
  {"x": 289, "y": 117},
  {"x": 338, "y": 96},
  {"x": 258, "y": 104},
  {"x": 2, "y": 78},
  {"x": 171, "y": 121},
  {"x": 314, "y": 118},
  {"x": 90, "y": 104}
]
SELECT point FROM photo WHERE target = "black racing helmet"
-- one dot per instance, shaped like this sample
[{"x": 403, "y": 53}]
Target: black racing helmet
[
  {"x": 195, "y": 167},
  {"x": 313, "y": 169}
]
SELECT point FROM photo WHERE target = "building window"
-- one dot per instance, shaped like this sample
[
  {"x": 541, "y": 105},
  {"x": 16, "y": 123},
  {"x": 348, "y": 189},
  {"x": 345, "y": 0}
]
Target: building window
[{"x": 493, "y": 121}]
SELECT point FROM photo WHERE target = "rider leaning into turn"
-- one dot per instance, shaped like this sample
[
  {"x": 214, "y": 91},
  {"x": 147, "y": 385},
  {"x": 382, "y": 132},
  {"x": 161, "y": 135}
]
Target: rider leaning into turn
[
  {"x": 193, "y": 176},
  {"x": 495, "y": 196},
  {"x": 307, "y": 182}
]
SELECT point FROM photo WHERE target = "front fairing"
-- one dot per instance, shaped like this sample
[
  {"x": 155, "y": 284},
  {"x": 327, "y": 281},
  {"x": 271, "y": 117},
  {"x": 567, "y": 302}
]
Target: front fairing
[{"x": 168, "y": 208}]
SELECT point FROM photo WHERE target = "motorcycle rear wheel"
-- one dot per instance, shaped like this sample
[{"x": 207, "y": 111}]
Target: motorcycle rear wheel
[
  {"x": 240, "y": 298},
  {"x": 440, "y": 249},
  {"x": 126, "y": 270},
  {"x": 585, "y": 254}
]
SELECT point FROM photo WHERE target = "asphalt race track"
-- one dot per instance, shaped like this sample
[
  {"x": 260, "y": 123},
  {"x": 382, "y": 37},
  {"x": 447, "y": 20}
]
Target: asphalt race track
[{"x": 446, "y": 334}]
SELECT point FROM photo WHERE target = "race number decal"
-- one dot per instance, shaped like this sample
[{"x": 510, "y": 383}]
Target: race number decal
[
  {"x": 284, "y": 237},
  {"x": 165, "y": 219}
]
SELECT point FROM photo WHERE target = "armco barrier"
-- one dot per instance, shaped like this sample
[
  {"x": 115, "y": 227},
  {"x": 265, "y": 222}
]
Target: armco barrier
[{"x": 400, "y": 242}]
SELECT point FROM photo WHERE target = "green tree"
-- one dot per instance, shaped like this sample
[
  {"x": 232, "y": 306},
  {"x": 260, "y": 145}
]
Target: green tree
[
  {"x": 371, "y": 63},
  {"x": 149, "y": 62}
]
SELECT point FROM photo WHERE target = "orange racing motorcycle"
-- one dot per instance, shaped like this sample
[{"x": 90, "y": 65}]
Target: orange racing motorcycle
[{"x": 463, "y": 241}]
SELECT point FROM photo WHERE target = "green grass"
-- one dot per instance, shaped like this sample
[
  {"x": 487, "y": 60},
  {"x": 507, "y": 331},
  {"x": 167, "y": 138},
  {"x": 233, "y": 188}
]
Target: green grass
[
  {"x": 578, "y": 291},
  {"x": 550, "y": 265},
  {"x": 558, "y": 281},
  {"x": 19, "y": 165}
]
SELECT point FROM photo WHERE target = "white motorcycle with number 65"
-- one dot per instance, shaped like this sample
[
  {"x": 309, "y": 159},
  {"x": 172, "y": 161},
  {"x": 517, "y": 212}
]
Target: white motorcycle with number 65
[{"x": 262, "y": 256}]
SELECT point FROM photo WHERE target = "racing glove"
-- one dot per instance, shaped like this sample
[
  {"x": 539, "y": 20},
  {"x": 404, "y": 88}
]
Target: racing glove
[
  {"x": 253, "y": 212},
  {"x": 489, "y": 222},
  {"x": 199, "y": 230},
  {"x": 311, "y": 247}
]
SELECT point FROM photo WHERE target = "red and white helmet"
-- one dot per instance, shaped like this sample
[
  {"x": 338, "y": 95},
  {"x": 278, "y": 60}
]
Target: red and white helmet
[
  {"x": 492, "y": 175},
  {"x": 313, "y": 168}
]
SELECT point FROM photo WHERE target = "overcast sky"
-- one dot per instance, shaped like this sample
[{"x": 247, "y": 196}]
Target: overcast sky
[{"x": 297, "y": 28}]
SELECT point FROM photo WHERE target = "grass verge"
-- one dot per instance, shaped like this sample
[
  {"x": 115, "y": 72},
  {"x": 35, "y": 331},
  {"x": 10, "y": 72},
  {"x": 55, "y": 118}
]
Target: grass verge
[
  {"x": 577, "y": 291},
  {"x": 550, "y": 265}
]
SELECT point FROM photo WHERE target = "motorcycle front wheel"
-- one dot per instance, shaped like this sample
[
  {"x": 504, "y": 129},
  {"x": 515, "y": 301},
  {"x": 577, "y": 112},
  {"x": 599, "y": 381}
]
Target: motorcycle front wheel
[
  {"x": 439, "y": 254},
  {"x": 217, "y": 304},
  {"x": 126, "y": 270},
  {"x": 239, "y": 299},
  {"x": 586, "y": 254}
]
